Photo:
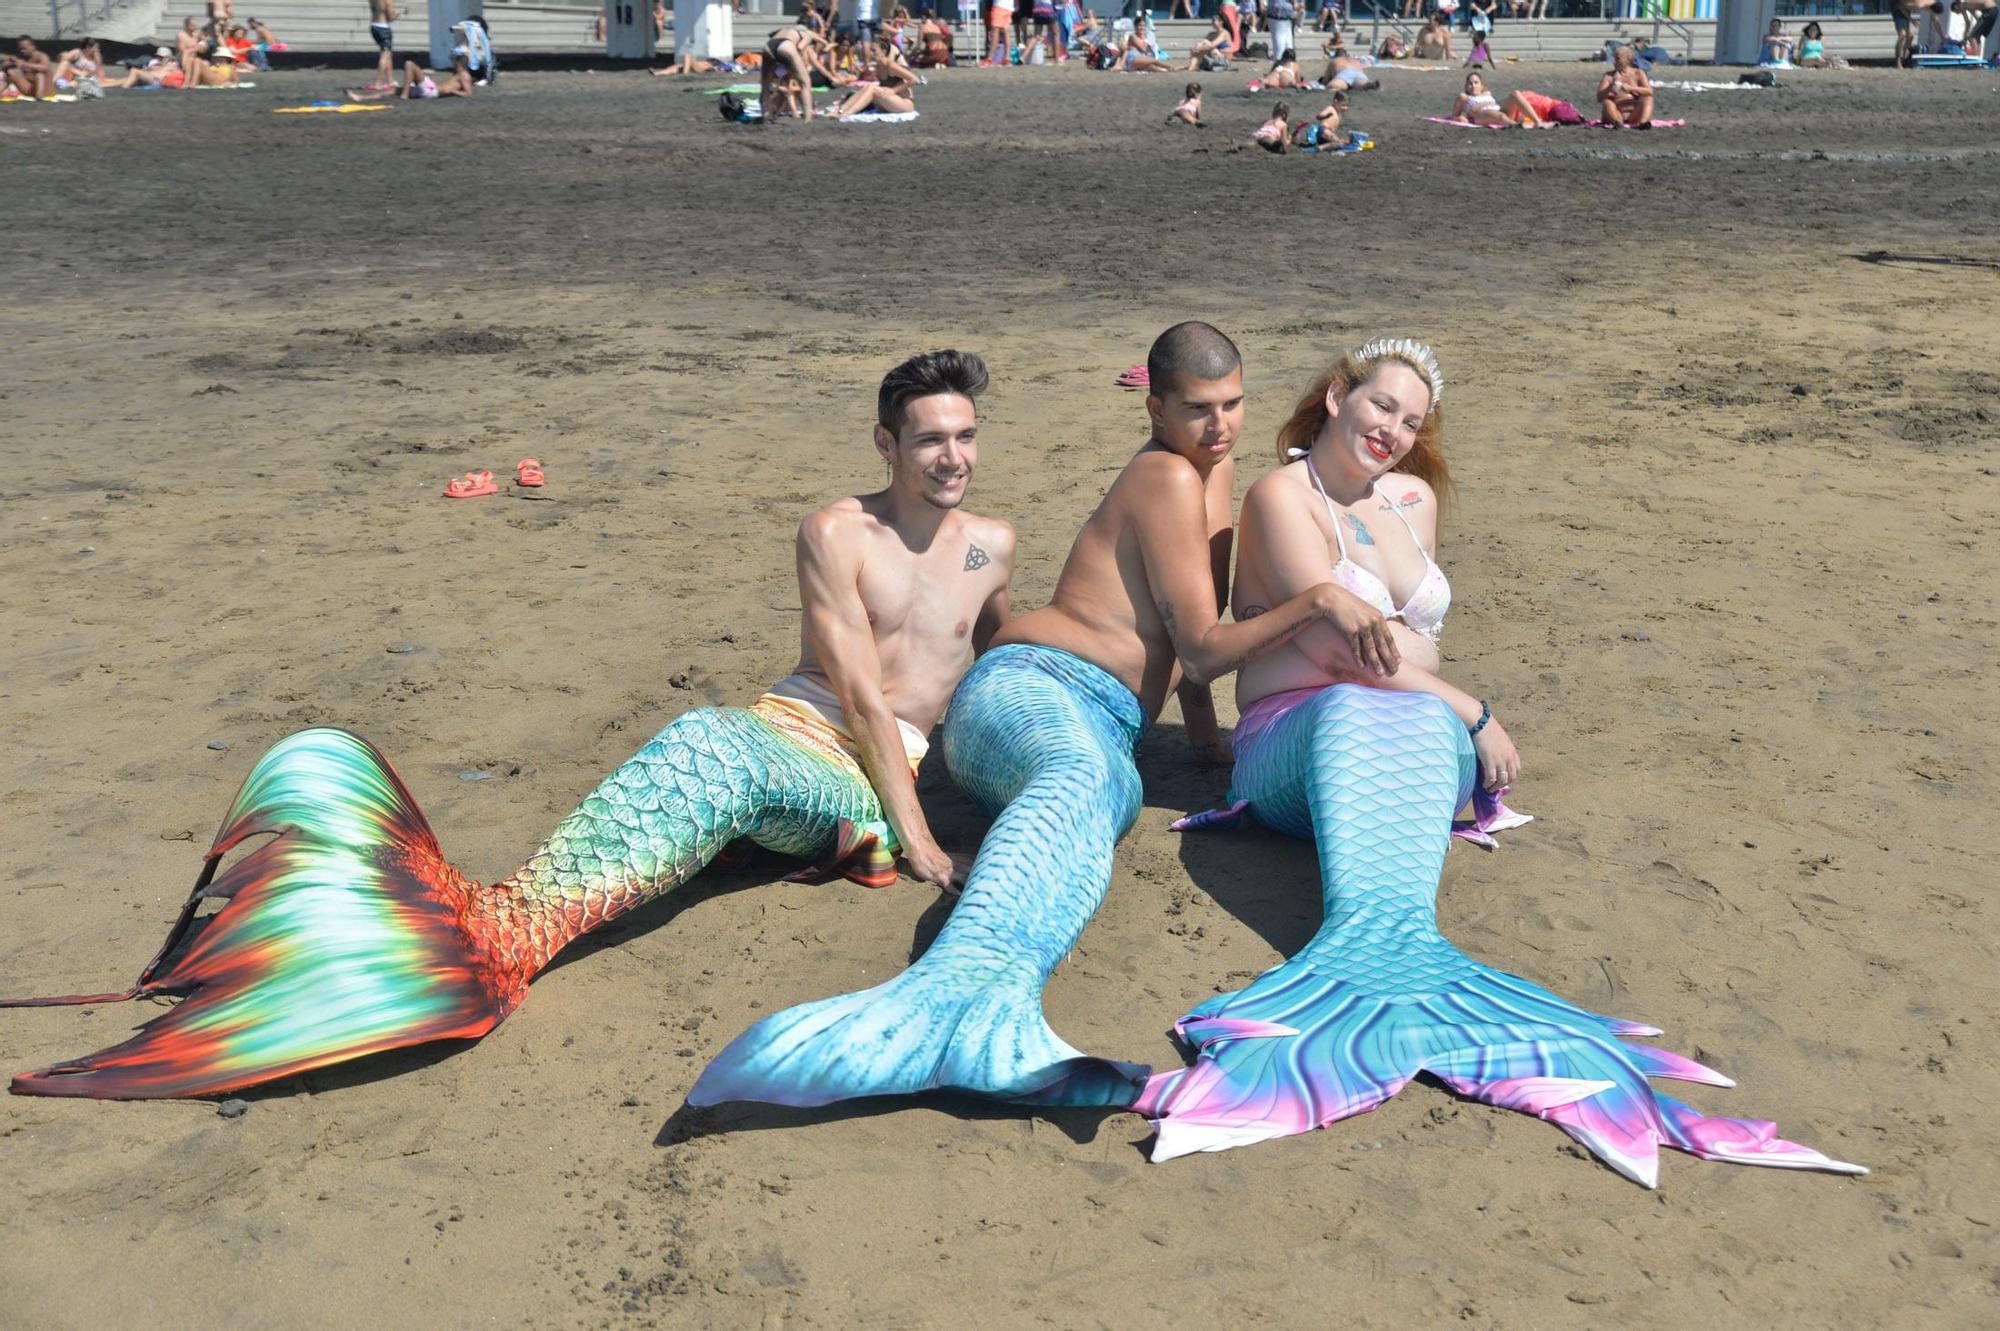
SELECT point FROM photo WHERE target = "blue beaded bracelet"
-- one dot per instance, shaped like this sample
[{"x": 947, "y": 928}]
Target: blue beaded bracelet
[{"x": 1485, "y": 715}]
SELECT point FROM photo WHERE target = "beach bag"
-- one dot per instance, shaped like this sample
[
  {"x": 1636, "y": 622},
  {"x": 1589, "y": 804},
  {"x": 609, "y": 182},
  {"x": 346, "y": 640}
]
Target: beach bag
[
  {"x": 1101, "y": 57},
  {"x": 731, "y": 106},
  {"x": 1762, "y": 78}
]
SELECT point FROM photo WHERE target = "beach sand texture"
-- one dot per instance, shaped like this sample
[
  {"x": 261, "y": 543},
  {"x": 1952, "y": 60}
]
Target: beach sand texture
[{"x": 1723, "y": 561}]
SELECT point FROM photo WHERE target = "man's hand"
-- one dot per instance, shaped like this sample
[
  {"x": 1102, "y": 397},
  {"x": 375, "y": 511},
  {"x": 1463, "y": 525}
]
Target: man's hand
[
  {"x": 932, "y": 864},
  {"x": 1361, "y": 626}
]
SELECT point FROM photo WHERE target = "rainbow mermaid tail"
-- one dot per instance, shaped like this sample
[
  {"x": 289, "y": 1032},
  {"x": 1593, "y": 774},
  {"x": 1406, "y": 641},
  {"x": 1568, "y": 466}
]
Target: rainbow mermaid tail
[
  {"x": 1046, "y": 739},
  {"x": 1378, "y": 995},
  {"x": 346, "y": 932}
]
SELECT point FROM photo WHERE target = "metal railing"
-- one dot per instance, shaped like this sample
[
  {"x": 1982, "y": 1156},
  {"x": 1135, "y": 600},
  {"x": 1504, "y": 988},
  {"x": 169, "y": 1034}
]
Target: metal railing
[
  {"x": 1656, "y": 10},
  {"x": 74, "y": 18}
]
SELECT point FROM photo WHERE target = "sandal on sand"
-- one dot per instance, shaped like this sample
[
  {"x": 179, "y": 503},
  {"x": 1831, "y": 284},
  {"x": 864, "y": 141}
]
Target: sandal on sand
[
  {"x": 1136, "y": 377},
  {"x": 529, "y": 473},
  {"x": 471, "y": 486}
]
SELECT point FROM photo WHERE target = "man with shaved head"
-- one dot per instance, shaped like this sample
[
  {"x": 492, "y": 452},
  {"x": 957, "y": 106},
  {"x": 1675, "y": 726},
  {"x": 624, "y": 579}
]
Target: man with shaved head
[{"x": 1043, "y": 730}]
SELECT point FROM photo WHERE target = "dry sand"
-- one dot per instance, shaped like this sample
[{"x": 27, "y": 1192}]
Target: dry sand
[{"x": 1720, "y": 559}]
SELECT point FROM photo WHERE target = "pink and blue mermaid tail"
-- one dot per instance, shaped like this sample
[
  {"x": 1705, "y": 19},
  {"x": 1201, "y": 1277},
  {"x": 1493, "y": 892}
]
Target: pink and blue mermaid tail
[
  {"x": 1047, "y": 740},
  {"x": 1379, "y": 995},
  {"x": 344, "y": 932}
]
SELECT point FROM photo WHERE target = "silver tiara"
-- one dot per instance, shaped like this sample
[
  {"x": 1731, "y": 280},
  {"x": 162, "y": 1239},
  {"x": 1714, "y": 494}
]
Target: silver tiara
[{"x": 1415, "y": 351}]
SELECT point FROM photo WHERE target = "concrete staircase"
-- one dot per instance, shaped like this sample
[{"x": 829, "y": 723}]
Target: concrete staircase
[{"x": 316, "y": 27}]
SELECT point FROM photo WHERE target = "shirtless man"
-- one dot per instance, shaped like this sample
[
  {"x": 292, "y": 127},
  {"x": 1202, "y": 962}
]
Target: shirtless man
[
  {"x": 381, "y": 14},
  {"x": 1043, "y": 730},
  {"x": 30, "y": 72},
  {"x": 1344, "y": 71},
  {"x": 898, "y": 588},
  {"x": 188, "y": 48}
]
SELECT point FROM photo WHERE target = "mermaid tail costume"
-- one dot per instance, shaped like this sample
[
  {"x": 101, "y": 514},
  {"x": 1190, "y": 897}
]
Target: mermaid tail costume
[
  {"x": 347, "y": 933},
  {"x": 1373, "y": 778},
  {"x": 1046, "y": 739}
]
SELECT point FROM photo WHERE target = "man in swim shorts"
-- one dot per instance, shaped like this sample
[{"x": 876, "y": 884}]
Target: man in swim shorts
[
  {"x": 382, "y": 13},
  {"x": 1043, "y": 729},
  {"x": 1344, "y": 71}
]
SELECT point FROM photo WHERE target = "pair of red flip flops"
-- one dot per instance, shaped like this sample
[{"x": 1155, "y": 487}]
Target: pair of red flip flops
[
  {"x": 1136, "y": 377},
  {"x": 476, "y": 483}
]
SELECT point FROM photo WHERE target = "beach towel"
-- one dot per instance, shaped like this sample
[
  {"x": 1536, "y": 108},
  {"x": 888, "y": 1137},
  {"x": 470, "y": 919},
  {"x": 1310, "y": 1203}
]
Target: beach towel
[
  {"x": 878, "y": 117},
  {"x": 1707, "y": 87},
  {"x": 1945, "y": 61},
  {"x": 734, "y": 87},
  {"x": 338, "y": 108},
  {"x": 223, "y": 87},
  {"x": 1657, "y": 124}
]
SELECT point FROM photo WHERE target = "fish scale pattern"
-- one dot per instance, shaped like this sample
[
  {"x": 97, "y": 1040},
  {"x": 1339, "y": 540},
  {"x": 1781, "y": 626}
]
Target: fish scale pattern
[
  {"x": 1378, "y": 995},
  {"x": 1046, "y": 739},
  {"x": 346, "y": 932}
]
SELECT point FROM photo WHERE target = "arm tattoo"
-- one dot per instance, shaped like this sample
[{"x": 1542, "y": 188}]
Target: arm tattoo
[
  {"x": 975, "y": 558},
  {"x": 1251, "y": 612},
  {"x": 1361, "y": 536},
  {"x": 1167, "y": 614}
]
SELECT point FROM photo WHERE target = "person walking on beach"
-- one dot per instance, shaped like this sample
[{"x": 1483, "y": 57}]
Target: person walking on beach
[{"x": 381, "y": 14}]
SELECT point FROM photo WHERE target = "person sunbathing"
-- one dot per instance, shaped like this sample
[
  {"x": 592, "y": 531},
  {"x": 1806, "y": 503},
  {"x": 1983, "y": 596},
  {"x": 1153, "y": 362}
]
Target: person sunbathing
[
  {"x": 1043, "y": 730},
  {"x": 80, "y": 65},
  {"x": 1534, "y": 110},
  {"x": 1812, "y": 48},
  {"x": 1371, "y": 771},
  {"x": 1284, "y": 75},
  {"x": 686, "y": 63},
  {"x": 885, "y": 66},
  {"x": 877, "y": 97},
  {"x": 1213, "y": 51},
  {"x": 1189, "y": 111},
  {"x": 1625, "y": 93},
  {"x": 419, "y": 86},
  {"x": 158, "y": 72},
  {"x": 188, "y": 47},
  {"x": 1477, "y": 106},
  {"x": 1393, "y": 48},
  {"x": 1344, "y": 71}
]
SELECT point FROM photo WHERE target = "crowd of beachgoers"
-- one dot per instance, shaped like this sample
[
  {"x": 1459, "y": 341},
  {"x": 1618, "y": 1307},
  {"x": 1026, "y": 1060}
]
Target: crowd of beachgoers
[{"x": 211, "y": 52}]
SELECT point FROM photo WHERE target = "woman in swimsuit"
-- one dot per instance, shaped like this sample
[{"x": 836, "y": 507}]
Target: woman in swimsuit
[
  {"x": 1359, "y": 491},
  {"x": 1625, "y": 94},
  {"x": 798, "y": 50},
  {"x": 1812, "y": 48},
  {"x": 1434, "y": 41},
  {"x": 1141, "y": 52},
  {"x": 878, "y": 97},
  {"x": 934, "y": 42},
  {"x": 1476, "y": 106}
]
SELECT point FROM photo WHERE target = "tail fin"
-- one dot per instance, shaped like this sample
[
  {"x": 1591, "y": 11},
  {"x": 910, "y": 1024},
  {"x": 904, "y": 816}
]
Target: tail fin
[
  {"x": 340, "y": 938},
  {"x": 1299, "y": 1050},
  {"x": 919, "y": 1032}
]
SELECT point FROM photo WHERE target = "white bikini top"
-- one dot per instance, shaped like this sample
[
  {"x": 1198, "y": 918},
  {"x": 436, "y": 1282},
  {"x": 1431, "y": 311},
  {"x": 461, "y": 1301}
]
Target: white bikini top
[{"x": 1425, "y": 610}]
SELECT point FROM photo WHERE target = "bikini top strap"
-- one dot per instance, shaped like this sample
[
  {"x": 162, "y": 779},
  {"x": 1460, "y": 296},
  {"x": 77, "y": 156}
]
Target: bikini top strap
[
  {"x": 1414, "y": 539},
  {"x": 1333, "y": 519}
]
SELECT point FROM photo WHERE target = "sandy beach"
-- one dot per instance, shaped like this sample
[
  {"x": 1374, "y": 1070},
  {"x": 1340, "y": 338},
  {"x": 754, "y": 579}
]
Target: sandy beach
[{"x": 1723, "y": 430}]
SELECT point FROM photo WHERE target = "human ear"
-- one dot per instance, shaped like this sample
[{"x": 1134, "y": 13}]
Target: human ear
[{"x": 885, "y": 444}]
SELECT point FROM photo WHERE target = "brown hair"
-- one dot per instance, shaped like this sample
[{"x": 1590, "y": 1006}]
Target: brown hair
[{"x": 1425, "y": 460}]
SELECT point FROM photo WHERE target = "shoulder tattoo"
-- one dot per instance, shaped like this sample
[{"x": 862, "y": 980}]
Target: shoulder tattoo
[
  {"x": 1410, "y": 500},
  {"x": 975, "y": 558},
  {"x": 1361, "y": 535}
]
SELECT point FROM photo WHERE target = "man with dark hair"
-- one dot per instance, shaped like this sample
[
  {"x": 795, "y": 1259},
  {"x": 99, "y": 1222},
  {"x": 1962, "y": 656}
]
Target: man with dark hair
[
  {"x": 1043, "y": 729},
  {"x": 30, "y": 72}
]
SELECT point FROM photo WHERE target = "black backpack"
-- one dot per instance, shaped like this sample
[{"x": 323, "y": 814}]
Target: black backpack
[{"x": 731, "y": 106}]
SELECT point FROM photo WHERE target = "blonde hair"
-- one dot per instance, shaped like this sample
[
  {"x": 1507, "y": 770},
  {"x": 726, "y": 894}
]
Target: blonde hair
[{"x": 1425, "y": 460}]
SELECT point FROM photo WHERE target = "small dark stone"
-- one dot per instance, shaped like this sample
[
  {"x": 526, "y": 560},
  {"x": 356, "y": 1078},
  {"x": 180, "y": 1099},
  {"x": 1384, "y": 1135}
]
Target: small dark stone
[
  {"x": 679, "y": 682},
  {"x": 217, "y": 745},
  {"x": 1798, "y": 390},
  {"x": 402, "y": 649},
  {"x": 233, "y": 1108},
  {"x": 1636, "y": 635}
]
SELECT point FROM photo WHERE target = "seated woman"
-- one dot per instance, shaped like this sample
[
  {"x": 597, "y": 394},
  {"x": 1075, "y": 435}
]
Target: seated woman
[
  {"x": 1213, "y": 51},
  {"x": 1812, "y": 48},
  {"x": 933, "y": 42},
  {"x": 877, "y": 97},
  {"x": 885, "y": 67},
  {"x": 78, "y": 65},
  {"x": 1371, "y": 768},
  {"x": 1476, "y": 106},
  {"x": 1625, "y": 94},
  {"x": 1393, "y": 48},
  {"x": 1142, "y": 53},
  {"x": 1434, "y": 41}
]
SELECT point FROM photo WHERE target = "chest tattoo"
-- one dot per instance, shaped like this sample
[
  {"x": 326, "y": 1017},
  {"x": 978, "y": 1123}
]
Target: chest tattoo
[
  {"x": 1361, "y": 535},
  {"x": 976, "y": 558}
]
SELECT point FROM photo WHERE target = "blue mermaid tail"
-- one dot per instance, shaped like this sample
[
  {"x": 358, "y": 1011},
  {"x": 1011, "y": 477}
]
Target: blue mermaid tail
[
  {"x": 1379, "y": 995},
  {"x": 1046, "y": 739}
]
